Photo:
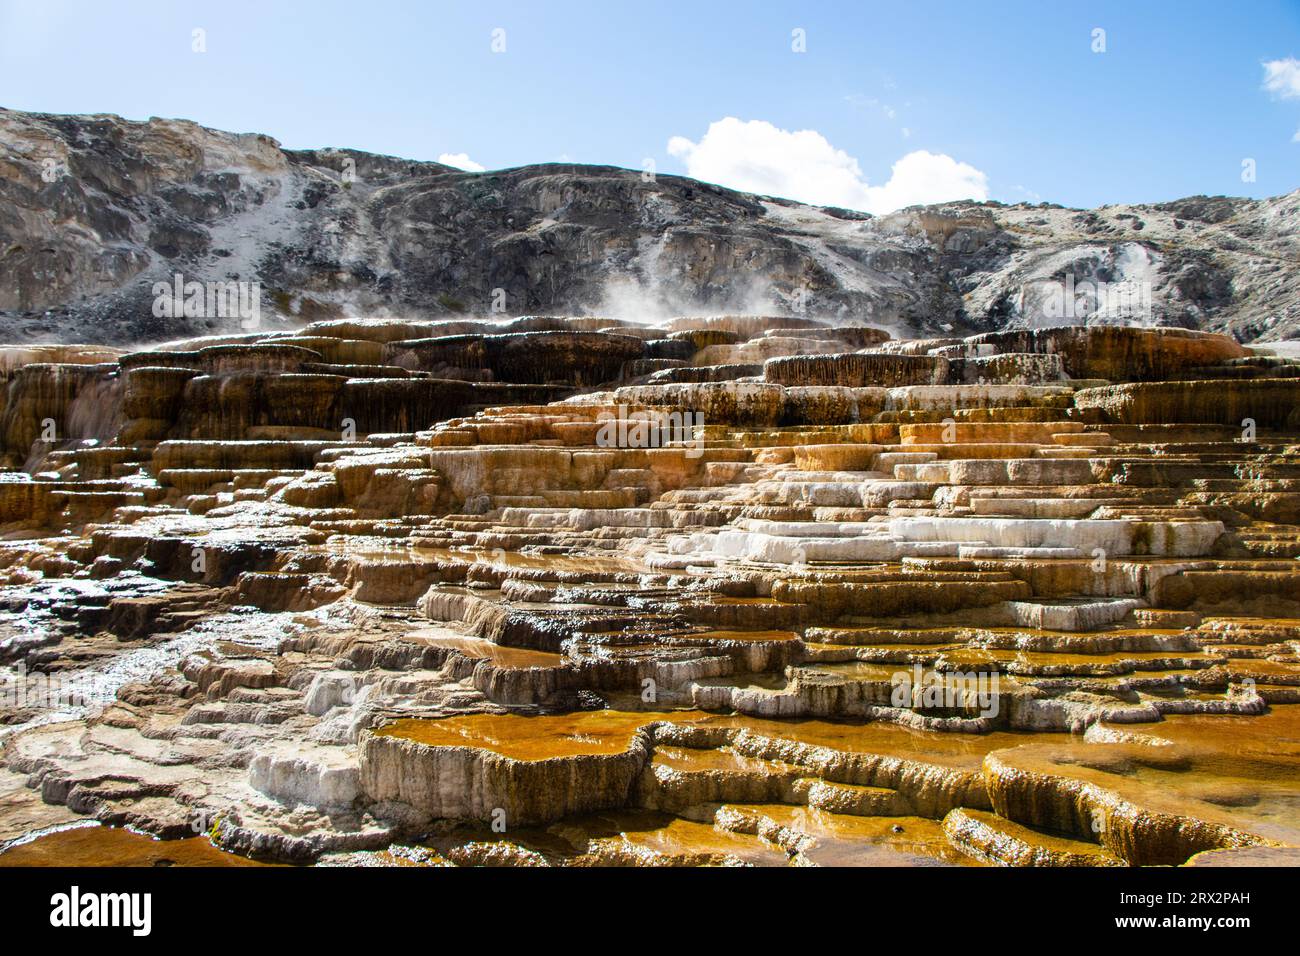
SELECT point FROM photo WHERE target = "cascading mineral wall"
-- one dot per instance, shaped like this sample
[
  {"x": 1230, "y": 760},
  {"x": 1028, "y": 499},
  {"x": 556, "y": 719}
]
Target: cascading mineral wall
[{"x": 1025, "y": 598}]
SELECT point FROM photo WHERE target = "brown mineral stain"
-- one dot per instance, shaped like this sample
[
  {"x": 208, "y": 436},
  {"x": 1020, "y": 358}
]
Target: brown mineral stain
[
  {"x": 521, "y": 737},
  {"x": 625, "y": 837},
  {"x": 1276, "y": 733},
  {"x": 498, "y": 655},
  {"x": 652, "y": 837},
  {"x": 115, "y": 846},
  {"x": 691, "y": 760},
  {"x": 1240, "y": 772},
  {"x": 842, "y": 840},
  {"x": 946, "y": 749}
]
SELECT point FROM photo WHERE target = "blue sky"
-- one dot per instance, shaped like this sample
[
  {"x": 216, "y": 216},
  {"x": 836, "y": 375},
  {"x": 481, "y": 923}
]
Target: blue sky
[{"x": 1011, "y": 93}]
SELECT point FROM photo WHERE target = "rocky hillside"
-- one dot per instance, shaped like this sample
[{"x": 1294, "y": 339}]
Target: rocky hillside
[{"x": 94, "y": 210}]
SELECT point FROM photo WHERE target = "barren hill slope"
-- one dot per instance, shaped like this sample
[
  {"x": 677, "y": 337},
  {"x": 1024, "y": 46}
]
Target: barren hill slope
[{"x": 95, "y": 209}]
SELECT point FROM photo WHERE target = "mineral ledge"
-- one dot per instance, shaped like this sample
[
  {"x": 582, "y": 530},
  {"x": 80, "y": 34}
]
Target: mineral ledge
[{"x": 382, "y": 592}]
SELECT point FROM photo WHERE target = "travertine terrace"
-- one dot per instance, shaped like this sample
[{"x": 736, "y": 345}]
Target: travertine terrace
[{"x": 389, "y": 592}]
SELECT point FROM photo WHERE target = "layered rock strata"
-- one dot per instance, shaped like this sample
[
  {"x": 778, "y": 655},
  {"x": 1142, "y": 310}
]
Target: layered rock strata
[{"x": 390, "y": 592}]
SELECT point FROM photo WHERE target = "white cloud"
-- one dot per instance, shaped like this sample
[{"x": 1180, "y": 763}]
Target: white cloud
[
  {"x": 1282, "y": 78},
  {"x": 1296, "y": 137},
  {"x": 758, "y": 157},
  {"x": 461, "y": 161}
]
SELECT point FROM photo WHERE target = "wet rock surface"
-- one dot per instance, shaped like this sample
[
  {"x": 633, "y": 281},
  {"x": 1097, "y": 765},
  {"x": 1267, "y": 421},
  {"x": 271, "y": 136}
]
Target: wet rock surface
[{"x": 404, "y": 593}]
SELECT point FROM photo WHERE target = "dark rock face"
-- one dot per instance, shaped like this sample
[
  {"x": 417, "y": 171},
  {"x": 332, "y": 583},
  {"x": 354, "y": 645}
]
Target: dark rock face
[
  {"x": 1143, "y": 355},
  {"x": 1271, "y": 403},
  {"x": 552, "y": 357},
  {"x": 858, "y": 369},
  {"x": 94, "y": 210}
]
